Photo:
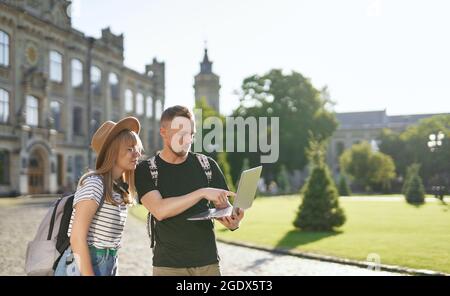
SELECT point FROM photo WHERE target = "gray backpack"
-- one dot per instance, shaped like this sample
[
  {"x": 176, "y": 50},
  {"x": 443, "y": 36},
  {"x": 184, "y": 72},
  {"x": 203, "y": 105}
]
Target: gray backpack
[
  {"x": 151, "y": 221},
  {"x": 51, "y": 239}
]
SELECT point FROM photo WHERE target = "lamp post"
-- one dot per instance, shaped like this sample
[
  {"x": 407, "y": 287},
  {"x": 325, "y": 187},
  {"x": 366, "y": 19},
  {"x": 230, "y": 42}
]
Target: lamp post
[
  {"x": 88, "y": 89},
  {"x": 434, "y": 143}
]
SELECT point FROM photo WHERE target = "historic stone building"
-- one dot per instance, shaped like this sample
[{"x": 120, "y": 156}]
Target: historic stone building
[
  {"x": 207, "y": 84},
  {"x": 356, "y": 127},
  {"x": 56, "y": 87}
]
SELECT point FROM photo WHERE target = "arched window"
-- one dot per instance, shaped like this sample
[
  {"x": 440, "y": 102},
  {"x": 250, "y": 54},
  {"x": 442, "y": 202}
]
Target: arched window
[
  {"x": 55, "y": 108},
  {"x": 139, "y": 104},
  {"x": 114, "y": 85},
  {"x": 56, "y": 66},
  {"x": 149, "y": 105},
  {"x": 32, "y": 117},
  {"x": 77, "y": 121},
  {"x": 158, "y": 109},
  {"x": 77, "y": 73},
  {"x": 96, "y": 79},
  {"x": 4, "y": 49},
  {"x": 128, "y": 101},
  {"x": 4, "y": 105},
  {"x": 4, "y": 167}
]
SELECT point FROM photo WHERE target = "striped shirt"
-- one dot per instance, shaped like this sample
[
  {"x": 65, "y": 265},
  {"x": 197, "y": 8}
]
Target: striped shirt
[{"x": 108, "y": 223}]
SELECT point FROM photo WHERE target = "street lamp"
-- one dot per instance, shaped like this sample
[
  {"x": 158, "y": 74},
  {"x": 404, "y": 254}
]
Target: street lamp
[{"x": 435, "y": 141}]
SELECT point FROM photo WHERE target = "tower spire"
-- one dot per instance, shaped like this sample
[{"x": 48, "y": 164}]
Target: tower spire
[{"x": 206, "y": 64}]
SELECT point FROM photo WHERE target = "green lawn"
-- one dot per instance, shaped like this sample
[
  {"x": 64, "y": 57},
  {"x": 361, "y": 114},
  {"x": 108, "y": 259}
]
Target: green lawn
[{"x": 402, "y": 234}]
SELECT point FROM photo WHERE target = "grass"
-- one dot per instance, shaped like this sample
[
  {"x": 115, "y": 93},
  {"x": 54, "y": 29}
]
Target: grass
[{"x": 402, "y": 234}]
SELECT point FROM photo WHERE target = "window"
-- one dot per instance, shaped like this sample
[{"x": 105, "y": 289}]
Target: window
[
  {"x": 139, "y": 104},
  {"x": 97, "y": 119},
  {"x": 4, "y": 106},
  {"x": 77, "y": 73},
  {"x": 115, "y": 117},
  {"x": 32, "y": 113},
  {"x": 340, "y": 147},
  {"x": 4, "y": 167},
  {"x": 79, "y": 166},
  {"x": 60, "y": 168},
  {"x": 149, "y": 109},
  {"x": 150, "y": 138},
  {"x": 128, "y": 101},
  {"x": 114, "y": 85},
  {"x": 55, "y": 66},
  {"x": 77, "y": 121},
  {"x": 55, "y": 109},
  {"x": 96, "y": 79},
  {"x": 69, "y": 164},
  {"x": 158, "y": 109},
  {"x": 4, "y": 49}
]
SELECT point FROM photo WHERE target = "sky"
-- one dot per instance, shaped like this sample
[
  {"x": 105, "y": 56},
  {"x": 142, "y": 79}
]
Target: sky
[{"x": 371, "y": 54}]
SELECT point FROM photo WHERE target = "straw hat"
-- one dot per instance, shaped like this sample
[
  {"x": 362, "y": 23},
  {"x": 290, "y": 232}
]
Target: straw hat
[{"x": 107, "y": 132}]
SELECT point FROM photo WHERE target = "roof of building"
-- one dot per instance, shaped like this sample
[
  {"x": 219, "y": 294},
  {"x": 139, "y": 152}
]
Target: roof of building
[{"x": 378, "y": 119}]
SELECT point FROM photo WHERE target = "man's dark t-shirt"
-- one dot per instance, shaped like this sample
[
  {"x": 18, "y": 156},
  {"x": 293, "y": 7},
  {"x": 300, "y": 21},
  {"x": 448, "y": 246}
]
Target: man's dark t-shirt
[{"x": 179, "y": 242}]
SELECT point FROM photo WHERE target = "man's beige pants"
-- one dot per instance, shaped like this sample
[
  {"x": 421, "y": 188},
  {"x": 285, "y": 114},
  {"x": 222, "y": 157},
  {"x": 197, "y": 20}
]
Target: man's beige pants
[{"x": 212, "y": 270}]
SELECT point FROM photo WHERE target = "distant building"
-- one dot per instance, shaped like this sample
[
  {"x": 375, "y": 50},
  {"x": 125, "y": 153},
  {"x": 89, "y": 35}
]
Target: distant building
[
  {"x": 356, "y": 127},
  {"x": 56, "y": 87},
  {"x": 207, "y": 84}
]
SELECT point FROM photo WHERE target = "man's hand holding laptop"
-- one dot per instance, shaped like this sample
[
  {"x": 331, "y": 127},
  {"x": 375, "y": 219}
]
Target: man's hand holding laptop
[{"x": 232, "y": 222}]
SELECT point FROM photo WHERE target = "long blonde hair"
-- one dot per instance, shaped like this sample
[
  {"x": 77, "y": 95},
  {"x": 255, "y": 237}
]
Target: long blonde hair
[{"x": 124, "y": 139}]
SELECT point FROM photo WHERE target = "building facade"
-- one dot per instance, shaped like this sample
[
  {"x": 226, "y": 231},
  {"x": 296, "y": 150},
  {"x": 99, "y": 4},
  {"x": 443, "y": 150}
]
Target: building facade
[
  {"x": 356, "y": 127},
  {"x": 56, "y": 87},
  {"x": 207, "y": 84}
]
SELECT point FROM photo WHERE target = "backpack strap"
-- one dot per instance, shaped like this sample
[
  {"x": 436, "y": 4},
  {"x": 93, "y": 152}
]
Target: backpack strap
[
  {"x": 204, "y": 162},
  {"x": 151, "y": 221},
  {"x": 52, "y": 220}
]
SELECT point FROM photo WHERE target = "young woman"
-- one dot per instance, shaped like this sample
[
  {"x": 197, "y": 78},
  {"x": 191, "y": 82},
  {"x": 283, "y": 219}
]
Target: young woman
[{"x": 101, "y": 201}]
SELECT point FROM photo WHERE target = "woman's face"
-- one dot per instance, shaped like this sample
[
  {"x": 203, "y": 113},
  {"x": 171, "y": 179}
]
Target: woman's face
[{"x": 128, "y": 157}]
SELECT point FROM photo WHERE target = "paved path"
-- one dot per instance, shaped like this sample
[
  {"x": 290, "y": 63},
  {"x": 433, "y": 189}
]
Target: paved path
[{"x": 19, "y": 221}]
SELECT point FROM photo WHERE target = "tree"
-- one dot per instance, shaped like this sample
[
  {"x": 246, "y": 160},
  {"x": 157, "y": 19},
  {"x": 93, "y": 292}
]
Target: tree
[
  {"x": 283, "y": 180},
  {"x": 382, "y": 171},
  {"x": 414, "y": 191},
  {"x": 301, "y": 109},
  {"x": 369, "y": 169},
  {"x": 410, "y": 172},
  {"x": 319, "y": 210},
  {"x": 221, "y": 157},
  {"x": 344, "y": 189},
  {"x": 225, "y": 167}
]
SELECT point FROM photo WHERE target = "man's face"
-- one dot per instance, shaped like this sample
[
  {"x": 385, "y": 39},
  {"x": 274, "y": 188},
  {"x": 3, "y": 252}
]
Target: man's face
[{"x": 178, "y": 134}]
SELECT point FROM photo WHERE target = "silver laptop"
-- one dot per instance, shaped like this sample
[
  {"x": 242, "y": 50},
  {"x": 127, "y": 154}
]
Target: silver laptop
[{"x": 243, "y": 199}]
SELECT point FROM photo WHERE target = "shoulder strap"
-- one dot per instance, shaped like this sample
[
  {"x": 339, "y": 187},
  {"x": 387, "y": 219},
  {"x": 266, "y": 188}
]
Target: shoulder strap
[
  {"x": 150, "y": 219},
  {"x": 153, "y": 170},
  {"x": 204, "y": 162}
]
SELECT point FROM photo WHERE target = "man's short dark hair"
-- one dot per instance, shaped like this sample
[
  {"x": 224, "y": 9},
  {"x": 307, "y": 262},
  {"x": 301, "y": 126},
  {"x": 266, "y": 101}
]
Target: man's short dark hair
[{"x": 170, "y": 113}]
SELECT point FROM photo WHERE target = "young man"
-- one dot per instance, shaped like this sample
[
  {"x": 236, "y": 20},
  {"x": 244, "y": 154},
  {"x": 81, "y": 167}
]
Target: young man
[{"x": 182, "y": 247}]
